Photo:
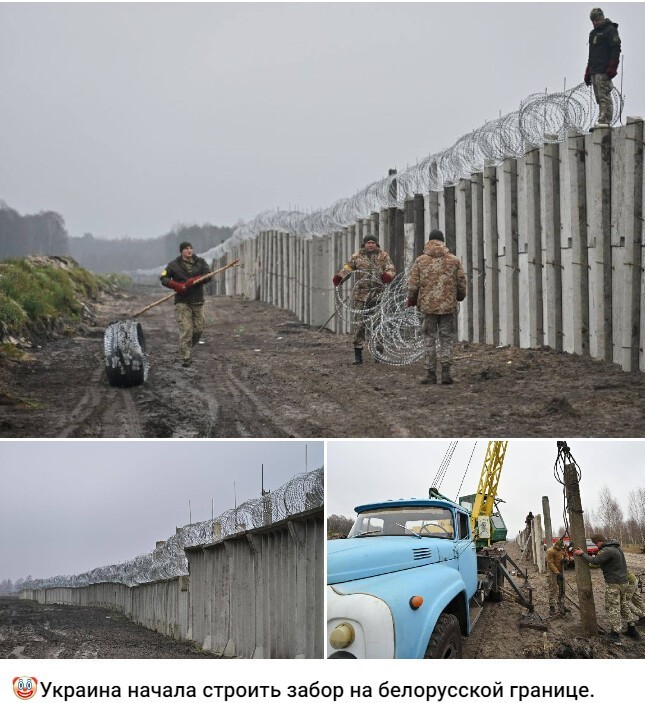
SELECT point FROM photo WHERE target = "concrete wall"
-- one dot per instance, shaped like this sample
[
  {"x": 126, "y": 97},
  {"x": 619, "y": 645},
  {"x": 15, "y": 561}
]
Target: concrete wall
[
  {"x": 552, "y": 244},
  {"x": 256, "y": 594}
]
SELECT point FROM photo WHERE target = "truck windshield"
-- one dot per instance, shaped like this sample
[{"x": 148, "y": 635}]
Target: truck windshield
[{"x": 400, "y": 522}]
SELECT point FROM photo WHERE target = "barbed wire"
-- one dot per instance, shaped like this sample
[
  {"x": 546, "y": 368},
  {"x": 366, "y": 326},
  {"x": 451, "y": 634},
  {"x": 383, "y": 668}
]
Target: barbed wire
[
  {"x": 302, "y": 492},
  {"x": 393, "y": 330},
  {"x": 541, "y": 118}
]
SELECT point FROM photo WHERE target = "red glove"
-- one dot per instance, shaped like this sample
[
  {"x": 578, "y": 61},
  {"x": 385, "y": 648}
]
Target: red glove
[
  {"x": 612, "y": 68},
  {"x": 337, "y": 280},
  {"x": 191, "y": 281},
  {"x": 387, "y": 277},
  {"x": 410, "y": 302},
  {"x": 179, "y": 288},
  {"x": 587, "y": 78}
]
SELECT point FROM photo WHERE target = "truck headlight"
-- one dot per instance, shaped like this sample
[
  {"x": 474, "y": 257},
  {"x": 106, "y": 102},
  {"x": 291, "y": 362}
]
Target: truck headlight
[{"x": 342, "y": 636}]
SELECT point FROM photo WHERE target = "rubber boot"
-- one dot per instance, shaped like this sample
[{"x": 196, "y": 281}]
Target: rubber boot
[
  {"x": 358, "y": 356},
  {"x": 632, "y": 632},
  {"x": 446, "y": 378},
  {"x": 563, "y": 609},
  {"x": 431, "y": 377}
]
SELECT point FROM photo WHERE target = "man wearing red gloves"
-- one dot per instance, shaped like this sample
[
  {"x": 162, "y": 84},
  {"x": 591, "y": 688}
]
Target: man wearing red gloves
[
  {"x": 436, "y": 284},
  {"x": 180, "y": 275},
  {"x": 374, "y": 270},
  {"x": 604, "y": 55}
]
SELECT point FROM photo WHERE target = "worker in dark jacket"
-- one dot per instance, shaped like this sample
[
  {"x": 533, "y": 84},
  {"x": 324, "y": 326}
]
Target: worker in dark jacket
[
  {"x": 611, "y": 560},
  {"x": 604, "y": 55},
  {"x": 181, "y": 275}
]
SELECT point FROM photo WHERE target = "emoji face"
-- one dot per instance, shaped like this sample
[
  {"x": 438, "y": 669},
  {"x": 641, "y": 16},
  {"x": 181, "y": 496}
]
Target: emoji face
[{"x": 25, "y": 687}]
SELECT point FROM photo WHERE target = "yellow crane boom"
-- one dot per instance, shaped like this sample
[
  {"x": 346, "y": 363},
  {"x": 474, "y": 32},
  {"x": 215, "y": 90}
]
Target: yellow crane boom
[{"x": 484, "y": 504}]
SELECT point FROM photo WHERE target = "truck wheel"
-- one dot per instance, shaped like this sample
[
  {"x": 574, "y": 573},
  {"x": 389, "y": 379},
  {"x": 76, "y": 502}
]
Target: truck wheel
[{"x": 445, "y": 642}]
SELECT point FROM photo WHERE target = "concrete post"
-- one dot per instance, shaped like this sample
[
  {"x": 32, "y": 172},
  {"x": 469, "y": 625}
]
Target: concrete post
[
  {"x": 477, "y": 261},
  {"x": 431, "y": 213},
  {"x": 509, "y": 304},
  {"x": 530, "y": 253},
  {"x": 539, "y": 544},
  {"x": 491, "y": 236},
  {"x": 548, "y": 530},
  {"x": 575, "y": 270},
  {"x": 626, "y": 242},
  {"x": 598, "y": 145},
  {"x": 419, "y": 225},
  {"x": 409, "y": 233},
  {"x": 578, "y": 537},
  {"x": 464, "y": 244},
  {"x": 550, "y": 245}
]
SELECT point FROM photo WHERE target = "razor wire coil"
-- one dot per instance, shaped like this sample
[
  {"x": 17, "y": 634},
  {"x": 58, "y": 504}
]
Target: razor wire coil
[{"x": 301, "y": 493}]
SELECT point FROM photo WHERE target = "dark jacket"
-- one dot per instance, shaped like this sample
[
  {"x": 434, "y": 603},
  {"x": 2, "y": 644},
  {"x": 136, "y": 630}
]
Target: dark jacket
[
  {"x": 604, "y": 44},
  {"x": 611, "y": 560},
  {"x": 180, "y": 271}
]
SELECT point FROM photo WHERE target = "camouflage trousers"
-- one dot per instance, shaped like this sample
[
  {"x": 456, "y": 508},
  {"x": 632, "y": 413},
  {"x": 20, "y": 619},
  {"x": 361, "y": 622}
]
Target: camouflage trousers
[
  {"x": 635, "y": 601},
  {"x": 438, "y": 329},
  {"x": 363, "y": 309},
  {"x": 602, "y": 87},
  {"x": 190, "y": 318},
  {"x": 555, "y": 595},
  {"x": 617, "y": 606}
]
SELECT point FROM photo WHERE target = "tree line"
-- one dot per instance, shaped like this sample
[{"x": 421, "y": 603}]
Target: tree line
[{"x": 45, "y": 233}]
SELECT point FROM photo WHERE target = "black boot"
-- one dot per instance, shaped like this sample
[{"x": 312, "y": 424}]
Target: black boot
[
  {"x": 431, "y": 377},
  {"x": 358, "y": 356},
  {"x": 446, "y": 378},
  {"x": 633, "y": 632}
]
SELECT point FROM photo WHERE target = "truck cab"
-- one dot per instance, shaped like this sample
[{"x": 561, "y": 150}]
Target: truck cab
[{"x": 400, "y": 584}]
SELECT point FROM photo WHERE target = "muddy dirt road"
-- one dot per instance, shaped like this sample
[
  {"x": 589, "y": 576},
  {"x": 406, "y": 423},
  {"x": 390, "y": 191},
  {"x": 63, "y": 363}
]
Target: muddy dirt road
[
  {"x": 498, "y": 634},
  {"x": 261, "y": 373},
  {"x": 32, "y": 631}
]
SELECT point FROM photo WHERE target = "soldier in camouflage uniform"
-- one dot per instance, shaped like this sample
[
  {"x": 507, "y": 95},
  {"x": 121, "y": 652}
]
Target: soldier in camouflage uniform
[
  {"x": 634, "y": 598},
  {"x": 437, "y": 282},
  {"x": 374, "y": 270},
  {"x": 180, "y": 275},
  {"x": 611, "y": 560},
  {"x": 604, "y": 55},
  {"x": 555, "y": 558}
]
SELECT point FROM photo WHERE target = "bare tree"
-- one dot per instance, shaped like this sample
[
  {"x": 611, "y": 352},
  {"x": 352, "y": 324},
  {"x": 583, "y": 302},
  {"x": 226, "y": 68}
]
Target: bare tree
[
  {"x": 610, "y": 514},
  {"x": 637, "y": 513}
]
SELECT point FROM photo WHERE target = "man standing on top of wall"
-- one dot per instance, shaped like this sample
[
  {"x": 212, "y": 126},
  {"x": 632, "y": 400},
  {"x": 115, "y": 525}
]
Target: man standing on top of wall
[
  {"x": 180, "y": 275},
  {"x": 604, "y": 55},
  {"x": 374, "y": 270}
]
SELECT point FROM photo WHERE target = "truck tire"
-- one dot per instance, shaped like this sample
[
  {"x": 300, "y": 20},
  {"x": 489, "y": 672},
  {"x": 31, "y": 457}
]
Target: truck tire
[{"x": 445, "y": 642}]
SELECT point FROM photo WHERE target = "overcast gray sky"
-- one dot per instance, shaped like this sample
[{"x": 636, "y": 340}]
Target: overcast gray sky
[
  {"x": 129, "y": 118},
  {"x": 69, "y": 506},
  {"x": 361, "y": 472}
]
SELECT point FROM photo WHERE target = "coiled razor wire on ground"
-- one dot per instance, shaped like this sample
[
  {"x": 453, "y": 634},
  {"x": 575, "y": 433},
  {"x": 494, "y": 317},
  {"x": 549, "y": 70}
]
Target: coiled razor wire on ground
[
  {"x": 392, "y": 329},
  {"x": 302, "y": 492},
  {"x": 541, "y": 118}
]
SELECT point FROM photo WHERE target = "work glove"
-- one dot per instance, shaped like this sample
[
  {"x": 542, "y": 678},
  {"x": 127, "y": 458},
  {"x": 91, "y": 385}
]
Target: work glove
[
  {"x": 337, "y": 280},
  {"x": 587, "y": 76},
  {"x": 179, "y": 288},
  {"x": 410, "y": 302},
  {"x": 191, "y": 281},
  {"x": 387, "y": 277},
  {"x": 612, "y": 68}
]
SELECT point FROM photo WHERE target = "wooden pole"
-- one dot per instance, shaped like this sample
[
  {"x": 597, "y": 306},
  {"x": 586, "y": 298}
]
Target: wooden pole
[
  {"x": 578, "y": 539},
  {"x": 548, "y": 529},
  {"x": 199, "y": 280}
]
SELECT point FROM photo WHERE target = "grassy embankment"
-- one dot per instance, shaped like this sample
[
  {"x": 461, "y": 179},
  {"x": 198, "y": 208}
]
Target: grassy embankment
[{"x": 40, "y": 296}]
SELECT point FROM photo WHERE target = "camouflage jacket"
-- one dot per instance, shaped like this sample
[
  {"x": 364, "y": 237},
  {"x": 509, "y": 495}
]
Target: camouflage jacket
[
  {"x": 370, "y": 265},
  {"x": 180, "y": 270},
  {"x": 554, "y": 559},
  {"x": 437, "y": 280}
]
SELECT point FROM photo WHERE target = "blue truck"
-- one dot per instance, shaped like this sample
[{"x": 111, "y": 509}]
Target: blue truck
[{"x": 409, "y": 581}]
